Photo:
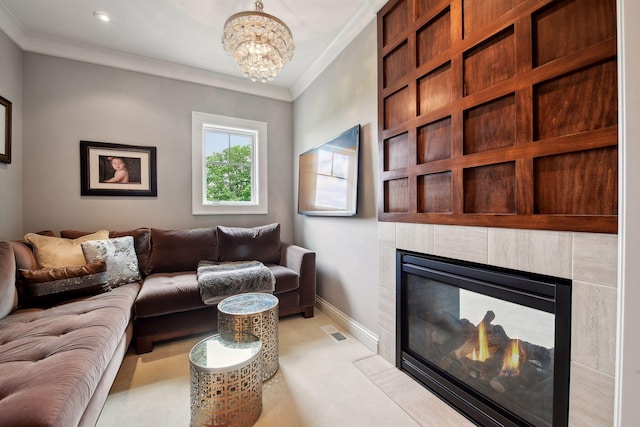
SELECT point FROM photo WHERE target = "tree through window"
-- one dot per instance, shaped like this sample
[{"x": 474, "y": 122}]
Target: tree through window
[{"x": 229, "y": 165}]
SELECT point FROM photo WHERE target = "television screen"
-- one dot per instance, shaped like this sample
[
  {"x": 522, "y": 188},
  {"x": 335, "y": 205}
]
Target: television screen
[{"x": 328, "y": 177}]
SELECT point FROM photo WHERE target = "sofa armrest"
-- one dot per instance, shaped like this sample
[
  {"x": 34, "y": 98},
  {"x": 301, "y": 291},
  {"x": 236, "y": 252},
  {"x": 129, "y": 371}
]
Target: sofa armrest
[
  {"x": 8, "y": 291},
  {"x": 303, "y": 262},
  {"x": 24, "y": 255}
]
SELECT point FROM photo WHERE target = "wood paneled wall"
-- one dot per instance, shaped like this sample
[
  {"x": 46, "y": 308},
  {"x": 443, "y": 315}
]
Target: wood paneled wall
[{"x": 499, "y": 113}]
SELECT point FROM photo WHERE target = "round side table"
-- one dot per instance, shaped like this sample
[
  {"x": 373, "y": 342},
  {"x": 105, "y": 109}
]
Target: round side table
[
  {"x": 226, "y": 380},
  {"x": 257, "y": 314}
]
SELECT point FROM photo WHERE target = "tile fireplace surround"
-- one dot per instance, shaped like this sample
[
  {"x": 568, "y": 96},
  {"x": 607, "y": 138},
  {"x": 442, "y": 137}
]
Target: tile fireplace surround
[{"x": 590, "y": 260}]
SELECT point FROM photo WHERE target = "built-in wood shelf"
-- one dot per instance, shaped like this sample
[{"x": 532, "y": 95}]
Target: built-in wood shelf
[{"x": 499, "y": 113}]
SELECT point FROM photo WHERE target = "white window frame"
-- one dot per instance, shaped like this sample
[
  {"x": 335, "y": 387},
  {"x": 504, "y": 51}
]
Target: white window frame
[{"x": 200, "y": 122}]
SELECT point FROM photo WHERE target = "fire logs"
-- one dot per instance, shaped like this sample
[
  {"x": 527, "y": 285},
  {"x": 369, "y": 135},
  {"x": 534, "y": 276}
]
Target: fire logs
[{"x": 485, "y": 354}]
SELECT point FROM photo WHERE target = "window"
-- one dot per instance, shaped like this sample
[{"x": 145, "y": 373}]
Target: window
[{"x": 229, "y": 165}]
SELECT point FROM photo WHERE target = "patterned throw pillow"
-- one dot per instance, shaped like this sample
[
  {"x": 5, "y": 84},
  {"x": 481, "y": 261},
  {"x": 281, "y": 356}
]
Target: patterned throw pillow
[
  {"x": 120, "y": 256},
  {"x": 50, "y": 285}
]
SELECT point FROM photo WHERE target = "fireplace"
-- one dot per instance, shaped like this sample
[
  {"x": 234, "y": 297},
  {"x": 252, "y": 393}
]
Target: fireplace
[{"x": 493, "y": 343}]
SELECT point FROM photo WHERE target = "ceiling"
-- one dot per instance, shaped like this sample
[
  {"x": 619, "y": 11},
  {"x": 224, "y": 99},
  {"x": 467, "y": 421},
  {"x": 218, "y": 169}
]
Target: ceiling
[{"x": 182, "y": 38}]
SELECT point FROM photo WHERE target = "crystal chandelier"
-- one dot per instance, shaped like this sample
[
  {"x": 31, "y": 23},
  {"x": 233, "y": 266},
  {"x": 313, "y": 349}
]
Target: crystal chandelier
[{"x": 260, "y": 43}]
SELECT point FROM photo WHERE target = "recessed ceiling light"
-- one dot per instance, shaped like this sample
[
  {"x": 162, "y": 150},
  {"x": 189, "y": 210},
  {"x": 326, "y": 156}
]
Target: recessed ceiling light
[{"x": 103, "y": 16}]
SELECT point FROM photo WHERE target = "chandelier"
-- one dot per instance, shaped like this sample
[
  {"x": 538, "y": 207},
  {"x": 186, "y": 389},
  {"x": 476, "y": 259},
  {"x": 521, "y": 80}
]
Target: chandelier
[{"x": 260, "y": 43}]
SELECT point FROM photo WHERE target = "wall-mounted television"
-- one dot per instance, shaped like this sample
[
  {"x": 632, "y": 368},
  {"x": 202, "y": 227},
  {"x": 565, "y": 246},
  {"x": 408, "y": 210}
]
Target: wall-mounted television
[{"x": 328, "y": 176}]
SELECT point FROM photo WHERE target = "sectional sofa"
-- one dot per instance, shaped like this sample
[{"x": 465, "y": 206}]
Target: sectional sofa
[{"x": 64, "y": 331}]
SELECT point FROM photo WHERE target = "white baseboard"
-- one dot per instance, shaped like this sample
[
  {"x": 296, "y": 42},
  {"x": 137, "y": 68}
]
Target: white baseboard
[{"x": 359, "y": 332}]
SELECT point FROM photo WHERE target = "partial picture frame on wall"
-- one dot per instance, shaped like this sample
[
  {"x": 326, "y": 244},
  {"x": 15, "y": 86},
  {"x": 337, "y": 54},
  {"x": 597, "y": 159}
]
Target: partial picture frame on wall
[
  {"x": 5, "y": 130},
  {"x": 108, "y": 169}
]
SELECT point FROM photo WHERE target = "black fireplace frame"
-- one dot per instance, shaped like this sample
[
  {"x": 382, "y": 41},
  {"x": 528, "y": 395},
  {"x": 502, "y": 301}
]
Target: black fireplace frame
[{"x": 533, "y": 290}]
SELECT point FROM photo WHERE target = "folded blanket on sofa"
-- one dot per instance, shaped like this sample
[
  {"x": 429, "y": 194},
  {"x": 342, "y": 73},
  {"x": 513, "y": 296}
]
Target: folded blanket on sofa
[{"x": 219, "y": 280}]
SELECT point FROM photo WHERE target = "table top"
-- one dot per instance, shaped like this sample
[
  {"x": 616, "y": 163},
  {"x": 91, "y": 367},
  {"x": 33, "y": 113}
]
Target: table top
[
  {"x": 249, "y": 303},
  {"x": 224, "y": 352}
]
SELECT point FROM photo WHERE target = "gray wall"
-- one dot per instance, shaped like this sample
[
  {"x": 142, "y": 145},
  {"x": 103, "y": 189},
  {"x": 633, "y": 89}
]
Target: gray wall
[
  {"x": 344, "y": 95},
  {"x": 67, "y": 101},
  {"x": 11, "y": 174}
]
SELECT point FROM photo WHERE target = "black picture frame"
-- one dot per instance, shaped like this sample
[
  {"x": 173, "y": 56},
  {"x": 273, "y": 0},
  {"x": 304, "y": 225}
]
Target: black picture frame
[
  {"x": 5, "y": 130},
  {"x": 108, "y": 169}
]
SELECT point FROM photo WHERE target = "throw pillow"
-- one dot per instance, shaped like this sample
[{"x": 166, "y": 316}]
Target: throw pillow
[
  {"x": 181, "y": 250},
  {"x": 249, "y": 244},
  {"x": 47, "y": 285},
  {"x": 56, "y": 252},
  {"x": 120, "y": 256},
  {"x": 141, "y": 242},
  {"x": 8, "y": 291}
]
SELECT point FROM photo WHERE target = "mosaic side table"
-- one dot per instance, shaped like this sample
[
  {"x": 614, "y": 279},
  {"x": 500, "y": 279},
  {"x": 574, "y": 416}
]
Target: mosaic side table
[
  {"x": 226, "y": 380},
  {"x": 257, "y": 314}
]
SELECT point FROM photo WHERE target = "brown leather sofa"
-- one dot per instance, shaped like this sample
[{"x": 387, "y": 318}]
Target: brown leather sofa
[{"x": 57, "y": 363}]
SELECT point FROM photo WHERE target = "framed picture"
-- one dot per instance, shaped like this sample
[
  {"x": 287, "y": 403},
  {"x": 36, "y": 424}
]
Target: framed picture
[
  {"x": 117, "y": 170},
  {"x": 5, "y": 130}
]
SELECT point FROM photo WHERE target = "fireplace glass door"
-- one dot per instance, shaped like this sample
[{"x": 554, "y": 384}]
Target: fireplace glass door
[{"x": 496, "y": 344}]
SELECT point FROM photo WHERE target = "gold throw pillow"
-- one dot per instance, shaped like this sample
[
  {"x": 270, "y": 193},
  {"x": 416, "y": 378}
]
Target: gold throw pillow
[{"x": 56, "y": 252}]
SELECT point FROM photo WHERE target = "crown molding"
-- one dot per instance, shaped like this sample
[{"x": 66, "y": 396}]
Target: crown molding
[
  {"x": 155, "y": 67},
  {"x": 12, "y": 27},
  {"x": 367, "y": 12}
]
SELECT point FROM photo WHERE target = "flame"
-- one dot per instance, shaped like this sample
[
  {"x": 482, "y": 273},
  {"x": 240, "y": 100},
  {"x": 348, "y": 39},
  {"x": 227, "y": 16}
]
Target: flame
[
  {"x": 511, "y": 361},
  {"x": 483, "y": 345}
]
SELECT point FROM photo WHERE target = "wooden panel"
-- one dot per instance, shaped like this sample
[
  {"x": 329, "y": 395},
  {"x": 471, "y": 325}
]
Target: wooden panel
[
  {"x": 395, "y": 107},
  {"x": 581, "y": 101},
  {"x": 396, "y": 64},
  {"x": 435, "y": 89},
  {"x": 434, "y": 38},
  {"x": 478, "y": 13},
  {"x": 434, "y": 141},
  {"x": 424, "y": 6},
  {"x": 591, "y": 22},
  {"x": 591, "y": 175},
  {"x": 395, "y": 21},
  {"x": 490, "y": 189},
  {"x": 435, "y": 193},
  {"x": 396, "y": 195},
  {"x": 490, "y": 126},
  {"x": 490, "y": 63},
  {"x": 396, "y": 152},
  {"x": 498, "y": 113}
]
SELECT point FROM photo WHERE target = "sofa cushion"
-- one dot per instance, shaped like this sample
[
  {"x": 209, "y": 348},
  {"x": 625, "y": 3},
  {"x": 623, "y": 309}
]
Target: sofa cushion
[
  {"x": 181, "y": 250},
  {"x": 55, "y": 252},
  {"x": 286, "y": 279},
  {"x": 24, "y": 255},
  {"x": 8, "y": 291},
  {"x": 249, "y": 244},
  {"x": 52, "y": 360},
  {"x": 120, "y": 257},
  {"x": 141, "y": 241},
  {"x": 164, "y": 293},
  {"x": 48, "y": 286}
]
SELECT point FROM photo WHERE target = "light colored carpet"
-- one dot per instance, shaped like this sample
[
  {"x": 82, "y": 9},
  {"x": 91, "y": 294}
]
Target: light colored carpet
[{"x": 321, "y": 382}]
